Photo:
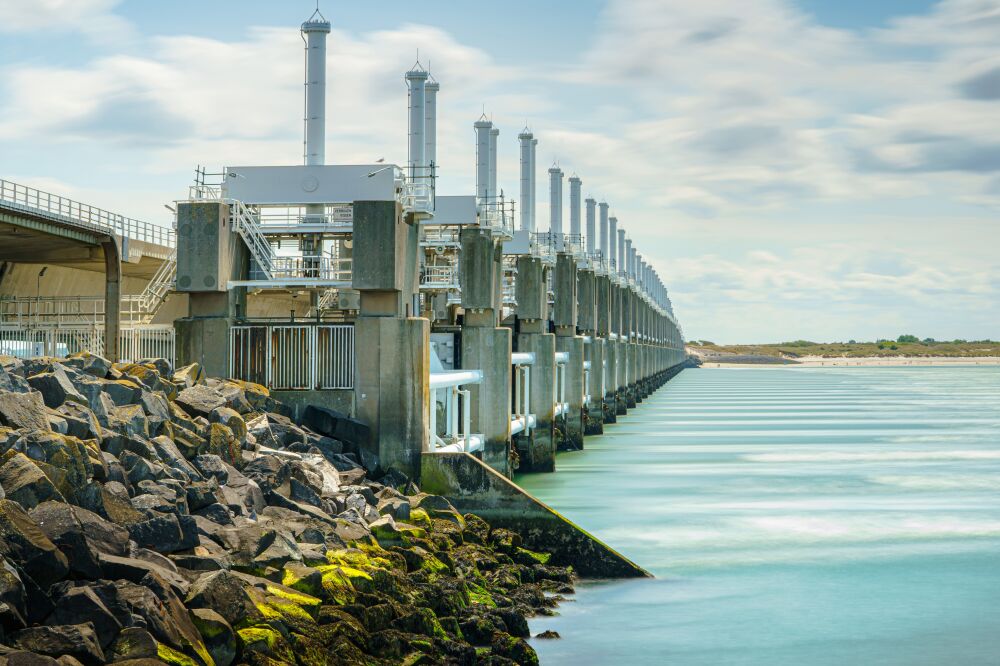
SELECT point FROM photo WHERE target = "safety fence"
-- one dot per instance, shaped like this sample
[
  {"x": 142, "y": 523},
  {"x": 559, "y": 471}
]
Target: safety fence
[
  {"x": 31, "y": 200},
  {"x": 293, "y": 356},
  {"x": 134, "y": 343},
  {"x": 452, "y": 431},
  {"x": 561, "y": 406},
  {"x": 521, "y": 418}
]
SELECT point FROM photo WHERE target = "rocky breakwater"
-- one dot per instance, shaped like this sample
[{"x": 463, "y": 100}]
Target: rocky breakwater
[{"x": 151, "y": 516}]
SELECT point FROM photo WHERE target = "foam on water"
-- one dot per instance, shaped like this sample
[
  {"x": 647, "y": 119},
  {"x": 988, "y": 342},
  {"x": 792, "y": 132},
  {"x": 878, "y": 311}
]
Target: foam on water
[{"x": 792, "y": 516}]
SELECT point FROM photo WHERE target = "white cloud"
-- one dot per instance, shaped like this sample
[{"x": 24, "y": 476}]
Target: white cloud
[
  {"x": 729, "y": 138},
  {"x": 91, "y": 17}
]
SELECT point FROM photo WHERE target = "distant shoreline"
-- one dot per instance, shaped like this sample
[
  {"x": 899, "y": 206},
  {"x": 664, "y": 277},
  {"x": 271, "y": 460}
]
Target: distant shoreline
[{"x": 865, "y": 361}]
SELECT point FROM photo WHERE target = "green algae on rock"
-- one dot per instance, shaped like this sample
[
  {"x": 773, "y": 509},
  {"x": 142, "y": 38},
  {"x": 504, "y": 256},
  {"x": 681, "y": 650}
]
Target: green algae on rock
[{"x": 172, "y": 518}]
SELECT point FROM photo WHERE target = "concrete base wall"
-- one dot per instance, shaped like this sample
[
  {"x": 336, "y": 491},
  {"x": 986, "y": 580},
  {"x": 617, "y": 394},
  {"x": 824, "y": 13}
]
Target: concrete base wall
[
  {"x": 488, "y": 349},
  {"x": 392, "y": 390},
  {"x": 595, "y": 413},
  {"x": 574, "y": 421},
  {"x": 476, "y": 488},
  {"x": 340, "y": 400},
  {"x": 204, "y": 340},
  {"x": 538, "y": 451}
]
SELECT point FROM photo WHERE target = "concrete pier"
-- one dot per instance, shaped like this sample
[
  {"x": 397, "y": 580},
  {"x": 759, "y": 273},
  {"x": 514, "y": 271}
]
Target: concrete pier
[
  {"x": 392, "y": 358},
  {"x": 485, "y": 346},
  {"x": 537, "y": 451},
  {"x": 564, "y": 320},
  {"x": 209, "y": 255}
]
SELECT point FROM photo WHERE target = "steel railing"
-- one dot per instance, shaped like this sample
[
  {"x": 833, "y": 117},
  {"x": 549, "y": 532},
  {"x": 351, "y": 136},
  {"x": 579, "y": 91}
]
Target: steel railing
[
  {"x": 439, "y": 277},
  {"x": 319, "y": 268},
  {"x": 561, "y": 406},
  {"x": 416, "y": 188},
  {"x": 63, "y": 209},
  {"x": 522, "y": 420},
  {"x": 293, "y": 356},
  {"x": 134, "y": 342},
  {"x": 454, "y": 433}
]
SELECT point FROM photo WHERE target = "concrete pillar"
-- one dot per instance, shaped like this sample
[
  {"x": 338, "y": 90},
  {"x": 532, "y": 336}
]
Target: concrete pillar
[
  {"x": 392, "y": 353},
  {"x": 602, "y": 288},
  {"x": 537, "y": 451},
  {"x": 209, "y": 254},
  {"x": 112, "y": 298},
  {"x": 564, "y": 318},
  {"x": 486, "y": 347},
  {"x": 392, "y": 375},
  {"x": 586, "y": 321}
]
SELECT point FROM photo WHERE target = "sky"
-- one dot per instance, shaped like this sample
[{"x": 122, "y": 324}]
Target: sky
[{"x": 793, "y": 169}]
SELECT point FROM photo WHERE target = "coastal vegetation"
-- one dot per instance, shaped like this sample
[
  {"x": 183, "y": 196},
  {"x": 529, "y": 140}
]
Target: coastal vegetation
[{"x": 906, "y": 345}]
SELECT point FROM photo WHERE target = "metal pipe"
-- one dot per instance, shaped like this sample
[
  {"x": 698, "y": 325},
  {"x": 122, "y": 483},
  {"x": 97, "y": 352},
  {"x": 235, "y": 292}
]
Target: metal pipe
[
  {"x": 621, "y": 252},
  {"x": 482, "y": 127},
  {"x": 416, "y": 81},
  {"x": 612, "y": 241},
  {"x": 314, "y": 32},
  {"x": 525, "y": 139},
  {"x": 455, "y": 378},
  {"x": 555, "y": 204},
  {"x": 574, "y": 207},
  {"x": 492, "y": 194},
  {"x": 534, "y": 183},
  {"x": 604, "y": 234},
  {"x": 591, "y": 226},
  {"x": 430, "y": 123}
]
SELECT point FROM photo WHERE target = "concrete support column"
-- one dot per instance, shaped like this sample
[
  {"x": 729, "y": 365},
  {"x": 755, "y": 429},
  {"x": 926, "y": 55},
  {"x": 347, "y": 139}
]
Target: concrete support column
[
  {"x": 209, "y": 254},
  {"x": 392, "y": 351},
  {"x": 564, "y": 318},
  {"x": 586, "y": 318},
  {"x": 485, "y": 346},
  {"x": 598, "y": 388},
  {"x": 604, "y": 306},
  {"x": 537, "y": 451},
  {"x": 633, "y": 347},
  {"x": 112, "y": 298},
  {"x": 392, "y": 369}
]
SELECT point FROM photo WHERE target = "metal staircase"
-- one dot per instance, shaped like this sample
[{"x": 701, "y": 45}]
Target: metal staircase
[
  {"x": 161, "y": 284},
  {"x": 246, "y": 223}
]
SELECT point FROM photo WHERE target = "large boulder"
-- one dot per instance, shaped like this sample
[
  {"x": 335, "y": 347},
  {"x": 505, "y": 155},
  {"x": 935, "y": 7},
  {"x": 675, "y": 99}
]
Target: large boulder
[
  {"x": 12, "y": 381},
  {"x": 226, "y": 594},
  {"x": 23, "y": 410},
  {"x": 23, "y": 542},
  {"x": 189, "y": 375},
  {"x": 13, "y": 599},
  {"x": 76, "y": 640},
  {"x": 219, "y": 637},
  {"x": 81, "y": 535},
  {"x": 200, "y": 400},
  {"x": 81, "y": 604},
  {"x": 91, "y": 364},
  {"x": 24, "y": 482},
  {"x": 165, "y": 533},
  {"x": 55, "y": 387}
]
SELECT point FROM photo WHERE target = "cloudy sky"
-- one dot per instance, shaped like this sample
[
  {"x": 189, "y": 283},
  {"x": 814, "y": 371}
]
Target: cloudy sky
[{"x": 792, "y": 168}]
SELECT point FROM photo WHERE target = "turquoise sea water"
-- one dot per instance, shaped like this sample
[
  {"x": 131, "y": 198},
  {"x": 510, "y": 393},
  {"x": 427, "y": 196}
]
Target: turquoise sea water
[{"x": 791, "y": 516}]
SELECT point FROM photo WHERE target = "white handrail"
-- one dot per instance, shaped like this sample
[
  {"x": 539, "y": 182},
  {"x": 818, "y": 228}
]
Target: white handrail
[
  {"x": 457, "y": 434},
  {"x": 455, "y": 378}
]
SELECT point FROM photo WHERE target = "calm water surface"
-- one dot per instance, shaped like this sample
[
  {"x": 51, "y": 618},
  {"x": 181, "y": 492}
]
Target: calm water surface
[{"x": 792, "y": 516}]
